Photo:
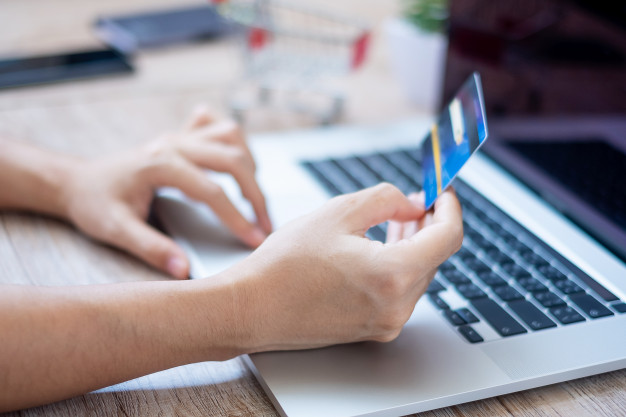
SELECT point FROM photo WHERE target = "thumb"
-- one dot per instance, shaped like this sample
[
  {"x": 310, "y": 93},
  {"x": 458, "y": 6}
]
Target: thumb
[
  {"x": 378, "y": 204},
  {"x": 200, "y": 117},
  {"x": 153, "y": 247}
]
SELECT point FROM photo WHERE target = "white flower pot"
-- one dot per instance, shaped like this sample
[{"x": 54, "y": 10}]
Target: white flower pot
[{"x": 418, "y": 62}]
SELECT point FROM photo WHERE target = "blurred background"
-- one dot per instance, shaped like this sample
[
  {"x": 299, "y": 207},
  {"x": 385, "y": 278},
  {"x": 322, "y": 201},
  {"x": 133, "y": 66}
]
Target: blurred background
[{"x": 169, "y": 80}]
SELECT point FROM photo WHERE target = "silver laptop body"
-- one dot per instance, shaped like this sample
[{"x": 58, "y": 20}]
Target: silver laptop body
[{"x": 432, "y": 364}]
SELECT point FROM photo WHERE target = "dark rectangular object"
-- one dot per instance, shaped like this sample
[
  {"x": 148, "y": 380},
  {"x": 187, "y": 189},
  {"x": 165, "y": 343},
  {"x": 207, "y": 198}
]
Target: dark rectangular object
[
  {"x": 591, "y": 306},
  {"x": 17, "y": 72},
  {"x": 531, "y": 315},
  {"x": 157, "y": 28},
  {"x": 499, "y": 319}
]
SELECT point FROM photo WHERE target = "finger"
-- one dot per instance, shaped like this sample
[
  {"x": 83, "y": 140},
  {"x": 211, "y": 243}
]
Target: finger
[
  {"x": 228, "y": 132},
  {"x": 146, "y": 243},
  {"x": 418, "y": 199},
  {"x": 194, "y": 183},
  {"x": 224, "y": 131},
  {"x": 200, "y": 117},
  {"x": 232, "y": 160},
  {"x": 437, "y": 241},
  {"x": 369, "y": 207},
  {"x": 409, "y": 229},
  {"x": 394, "y": 231},
  {"x": 397, "y": 231}
]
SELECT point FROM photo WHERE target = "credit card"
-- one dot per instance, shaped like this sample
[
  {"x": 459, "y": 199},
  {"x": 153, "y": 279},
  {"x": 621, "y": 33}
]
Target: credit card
[{"x": 460, "y": 130}]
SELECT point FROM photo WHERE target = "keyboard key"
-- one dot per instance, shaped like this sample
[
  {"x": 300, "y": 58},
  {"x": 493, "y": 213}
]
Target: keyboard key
[
  {"x": 491, "y": 279},
  {"x": 534, "y": 258},
  {"x": 453, "y": 317},
  {"x": 358, "y": 171},
  {"x": 567, "y": 287},
  {"x": 508, "y": 293},
  {"x": 590, "y": 306},
  {"x": 505, "y": 233},
  {"x": 619, "y": 307},
  {"x": 498, "y": 256},
  {"x": 531, "y": 284},
  {"x": 405, "y": 164},
  {"x": 490, "y": 249},
  {"x": 548, "y": 299},
  {"x": 470, "y": 334},
  {"x": 380, "y": 167},
  {"x": 467, "y": 315},
  {"x": 438, "y": 302},
  {"x": 515, "y": 270},
  {"x": 531, "y": 315},
  {"x": 446, "y": 266},
  {"x": 497, "y": 317},
  {"x": 326, "y": 182},
  {"x": 405, "y": 185},
  {"x": 496, "y": 228},
  {"x": 551, "y": 273},
  {"x": 464, "y": 253},
  {"x": 516, "y": 244},
  {"x": 477, "y": 237},
  {"x": 336, "y": 176},
  {"x": 566, "y": 315},
  {"x": 415, "y": 154},
  {"x": 470, "y": 291},
  {"x": 435, "y": 286},
  {"x": 596, "y": 287},
  {"x": 455, "y": 277},
  {"x": 476, "y": 265}
]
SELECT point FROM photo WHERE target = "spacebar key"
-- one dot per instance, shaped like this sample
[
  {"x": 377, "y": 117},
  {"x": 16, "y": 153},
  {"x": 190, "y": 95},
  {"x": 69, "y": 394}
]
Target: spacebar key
[{"x": 499, "y": 319}]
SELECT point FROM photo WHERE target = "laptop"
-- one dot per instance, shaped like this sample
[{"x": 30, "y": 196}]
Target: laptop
[{"x": 536, "y": 294}]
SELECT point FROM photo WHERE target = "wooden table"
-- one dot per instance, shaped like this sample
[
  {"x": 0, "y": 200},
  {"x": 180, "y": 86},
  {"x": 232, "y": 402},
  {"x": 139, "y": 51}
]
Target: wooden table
[{"x": 105, "y": 115}]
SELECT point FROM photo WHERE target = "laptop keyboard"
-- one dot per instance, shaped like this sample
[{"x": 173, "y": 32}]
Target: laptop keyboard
[{"x": 503, "y": 281}]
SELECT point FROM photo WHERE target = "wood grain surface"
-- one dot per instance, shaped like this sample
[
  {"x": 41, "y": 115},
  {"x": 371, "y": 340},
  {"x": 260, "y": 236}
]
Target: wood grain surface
[{"x": 105, "y": 115}]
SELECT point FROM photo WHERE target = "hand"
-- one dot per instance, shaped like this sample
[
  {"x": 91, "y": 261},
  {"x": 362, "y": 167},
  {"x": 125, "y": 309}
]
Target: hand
[
  {"x": 109, "y": 198},
  {"x": 319, "y": 281}
]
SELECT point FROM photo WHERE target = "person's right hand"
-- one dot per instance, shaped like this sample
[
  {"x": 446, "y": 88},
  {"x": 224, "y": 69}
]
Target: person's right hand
[{"x": 319, "y": 281}]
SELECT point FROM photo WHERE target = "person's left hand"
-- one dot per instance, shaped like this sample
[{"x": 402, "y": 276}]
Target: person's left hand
[{"x": 109, "y": 198}]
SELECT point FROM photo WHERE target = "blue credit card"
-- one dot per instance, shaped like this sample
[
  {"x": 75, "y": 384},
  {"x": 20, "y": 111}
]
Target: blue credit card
[{"x": 459, "y": 131}]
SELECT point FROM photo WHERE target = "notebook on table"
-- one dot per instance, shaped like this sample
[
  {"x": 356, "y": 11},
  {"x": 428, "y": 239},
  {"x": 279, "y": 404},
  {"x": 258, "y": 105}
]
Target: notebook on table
[{"x": 536, "y": 294}]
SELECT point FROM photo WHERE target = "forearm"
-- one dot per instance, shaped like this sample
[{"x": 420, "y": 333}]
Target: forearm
[
  {"x": 61, "y": 342},
  {"x": 33, "y": 179}
]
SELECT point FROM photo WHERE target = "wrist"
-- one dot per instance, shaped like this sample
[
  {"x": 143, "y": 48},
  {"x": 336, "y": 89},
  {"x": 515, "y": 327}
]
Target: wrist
[
  {"x": 35, "y": 180},
  {"x": 223, "y": 313},
  {"x": 56, "y": 180}
]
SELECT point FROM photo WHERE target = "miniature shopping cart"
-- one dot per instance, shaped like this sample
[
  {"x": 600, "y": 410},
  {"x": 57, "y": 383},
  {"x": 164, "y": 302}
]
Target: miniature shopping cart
[{"x": 292, "y": 53}]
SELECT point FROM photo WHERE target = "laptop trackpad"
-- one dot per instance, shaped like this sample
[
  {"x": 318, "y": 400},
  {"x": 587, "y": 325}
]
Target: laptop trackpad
[
  {"x": 553, "y": 351},
  {"x": 210, "y": 246}
]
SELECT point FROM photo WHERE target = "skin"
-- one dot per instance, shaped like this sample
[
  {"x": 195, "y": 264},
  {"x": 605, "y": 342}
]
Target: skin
[
  {"x": 315, "y": 282},
  {"x": 109, "y": 198}
]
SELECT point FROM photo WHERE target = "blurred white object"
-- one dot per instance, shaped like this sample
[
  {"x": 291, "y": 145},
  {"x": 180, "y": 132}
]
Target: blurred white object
[
  {"x": 295, "y": 50},
  {"x": 418, "y": 62}
]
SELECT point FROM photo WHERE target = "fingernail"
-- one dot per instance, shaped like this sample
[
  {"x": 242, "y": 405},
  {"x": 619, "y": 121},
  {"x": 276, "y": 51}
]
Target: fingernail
[
  {"x": 266, "y": 225},
  {"x": 177, "y": 267},
  {"x": 256, "y": 237}
]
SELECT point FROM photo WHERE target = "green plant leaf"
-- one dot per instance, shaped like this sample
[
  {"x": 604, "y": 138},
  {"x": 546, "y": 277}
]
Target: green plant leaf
[{"x": 428, "y": 15}]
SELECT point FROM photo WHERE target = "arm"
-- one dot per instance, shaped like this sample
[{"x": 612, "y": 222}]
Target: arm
[
  {"x": 32, "y": 179},
  {"x": 58, "y": 342},
  {"x": 317, "y": 281},
  {"x": 109, "y": 197}
]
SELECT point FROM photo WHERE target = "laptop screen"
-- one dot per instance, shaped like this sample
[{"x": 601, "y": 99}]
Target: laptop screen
[{"x": 554, "y": 80}]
